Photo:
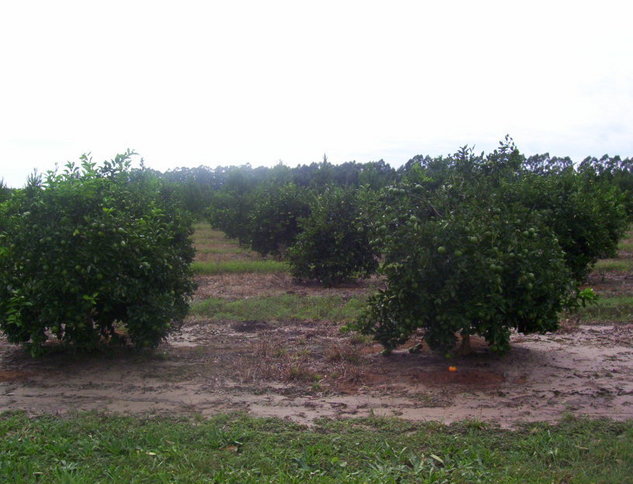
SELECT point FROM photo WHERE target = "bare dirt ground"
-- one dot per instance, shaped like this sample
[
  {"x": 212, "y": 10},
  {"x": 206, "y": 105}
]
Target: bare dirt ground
[
  {"x": 306, "y": 370},
  {"x": 239, "y": 286}
]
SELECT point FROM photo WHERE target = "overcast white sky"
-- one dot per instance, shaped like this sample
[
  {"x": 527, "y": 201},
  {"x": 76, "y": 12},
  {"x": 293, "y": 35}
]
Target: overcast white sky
[{"x": 186, "y": 83}]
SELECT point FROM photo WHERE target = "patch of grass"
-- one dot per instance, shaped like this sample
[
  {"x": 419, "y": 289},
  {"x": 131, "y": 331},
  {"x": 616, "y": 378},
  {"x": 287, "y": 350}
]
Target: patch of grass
[
  {"x": 626, "y": 245},
  {"x": 614, "y": 265},
  {"x": 285, "y": 306},
  {"x": 223, "y": 250},
  {"x": 616, "y": 309},
  {"x": 203, "y": 234},
  {"x": 204, "y": 230},
  {"x": 238, "y": 266},
  {"x": 91, "y": 448}
]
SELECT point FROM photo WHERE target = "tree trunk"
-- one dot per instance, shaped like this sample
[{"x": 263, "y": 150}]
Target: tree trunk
[{"x": 464, "y": 348}]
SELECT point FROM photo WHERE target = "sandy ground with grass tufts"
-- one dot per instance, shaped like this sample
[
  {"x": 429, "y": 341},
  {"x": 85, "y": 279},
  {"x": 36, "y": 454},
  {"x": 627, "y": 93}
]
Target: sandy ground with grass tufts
[{"x": 305, "y": 370}]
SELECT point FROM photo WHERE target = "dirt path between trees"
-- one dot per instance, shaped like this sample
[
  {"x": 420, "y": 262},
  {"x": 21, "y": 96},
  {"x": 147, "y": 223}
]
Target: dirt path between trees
[{"x": 307, "y": 370}]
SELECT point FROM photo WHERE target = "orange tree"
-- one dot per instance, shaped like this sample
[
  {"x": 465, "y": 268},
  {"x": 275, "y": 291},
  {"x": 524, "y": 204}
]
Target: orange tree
[
  {"x": 586, "y": 212},
  {"x": 484, "y": 245},
  {"x": 333, "y": 244},
  {"x": 91, "y": 249},
  {"x": 275, "y": 219}
]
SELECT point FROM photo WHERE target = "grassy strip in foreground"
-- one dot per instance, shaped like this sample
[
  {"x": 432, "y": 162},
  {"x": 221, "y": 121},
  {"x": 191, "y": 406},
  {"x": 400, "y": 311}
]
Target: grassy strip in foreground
[
  {"x": 94, "y": 448},
  {"x": 285, "y": 306},
  {"x": 239, "y": 266},
  {"x": 616, "y": 309}
]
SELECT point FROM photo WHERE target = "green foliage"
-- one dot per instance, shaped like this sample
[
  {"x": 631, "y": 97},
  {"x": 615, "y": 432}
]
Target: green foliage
[
  {"x": 230, "y": 212},
  {"x": 486, "y": 244},
  {"x": 5, "y": 192},
  {"x": 333, "y": 245},
  {"x": 261, "y": 206},
  {"x": 274, "y": 222},
  {"x": 587, "y": 214},
  {"x": 233, "y": 203},
  {"x": 475, "y": 271},
  {"x": 616, "y": 172},
  {"x": 194, "y": 187},
  {"x": 90, "y": 250}
]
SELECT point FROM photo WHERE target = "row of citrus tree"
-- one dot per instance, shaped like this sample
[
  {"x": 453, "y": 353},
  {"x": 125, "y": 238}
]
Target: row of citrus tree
[{"x": 468, "y": 244}]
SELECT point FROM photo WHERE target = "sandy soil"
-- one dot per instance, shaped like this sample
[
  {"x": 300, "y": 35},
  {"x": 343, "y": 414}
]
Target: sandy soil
[
  {"x": 611, "y": 284},
  {"x": 307, "y": 370}
]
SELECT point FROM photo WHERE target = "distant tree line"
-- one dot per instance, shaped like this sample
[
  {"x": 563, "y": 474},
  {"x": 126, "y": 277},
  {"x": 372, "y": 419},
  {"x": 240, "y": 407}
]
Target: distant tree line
[{"x": 199, "y": 186}]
